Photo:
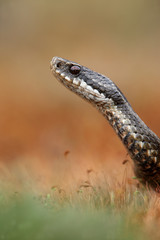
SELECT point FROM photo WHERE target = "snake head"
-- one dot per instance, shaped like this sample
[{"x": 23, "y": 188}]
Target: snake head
[{"x": 94, "y": 87}]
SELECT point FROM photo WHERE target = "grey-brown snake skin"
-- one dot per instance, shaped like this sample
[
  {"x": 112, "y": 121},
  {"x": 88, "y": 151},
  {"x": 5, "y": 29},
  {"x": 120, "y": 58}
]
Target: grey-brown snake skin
[{"x": 141, "y": 143}]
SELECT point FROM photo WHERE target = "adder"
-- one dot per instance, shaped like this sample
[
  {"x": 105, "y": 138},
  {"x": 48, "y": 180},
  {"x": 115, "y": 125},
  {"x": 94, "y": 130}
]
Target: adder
[{"x": 142, "y": 144}]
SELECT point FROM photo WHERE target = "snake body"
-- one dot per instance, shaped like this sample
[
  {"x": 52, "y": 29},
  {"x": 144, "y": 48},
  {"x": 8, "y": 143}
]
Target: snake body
[{"x": 142, "y": 144}]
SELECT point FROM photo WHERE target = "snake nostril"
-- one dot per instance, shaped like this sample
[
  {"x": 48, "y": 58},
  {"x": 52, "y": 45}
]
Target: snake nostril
[{"x": 59, "y": 64}]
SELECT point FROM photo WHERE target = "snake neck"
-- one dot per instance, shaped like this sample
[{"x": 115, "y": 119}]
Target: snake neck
[{"x": 141, "y": 143}]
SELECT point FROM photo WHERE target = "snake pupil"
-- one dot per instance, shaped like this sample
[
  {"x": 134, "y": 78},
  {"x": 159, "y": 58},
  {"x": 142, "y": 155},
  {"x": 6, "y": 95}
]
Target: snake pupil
[{"x": 74, "y": 69}]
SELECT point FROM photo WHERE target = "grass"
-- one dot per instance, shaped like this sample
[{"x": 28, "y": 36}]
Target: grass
[
  {"x": 90, "y": 211},
  {"x": 100, "y": 206},
  {"x": 32, "y": 219}
]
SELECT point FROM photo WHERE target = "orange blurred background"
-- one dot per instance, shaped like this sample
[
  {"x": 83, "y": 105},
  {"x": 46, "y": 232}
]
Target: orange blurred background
[{"x": 48, "y": 133}]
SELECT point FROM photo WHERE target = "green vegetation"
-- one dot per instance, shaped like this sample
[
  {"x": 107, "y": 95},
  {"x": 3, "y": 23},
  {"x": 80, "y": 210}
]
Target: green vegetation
[
  {"x": 26, "y": 219},
  {"x": 88, "y": 213}
]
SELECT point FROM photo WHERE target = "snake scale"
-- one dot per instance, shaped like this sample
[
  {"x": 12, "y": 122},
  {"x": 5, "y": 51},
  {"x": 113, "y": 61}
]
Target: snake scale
[{"x": 142, "y": 144}]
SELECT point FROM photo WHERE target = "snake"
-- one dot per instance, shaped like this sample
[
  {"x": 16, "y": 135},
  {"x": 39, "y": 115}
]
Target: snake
[{"x": 141, "y": 143}]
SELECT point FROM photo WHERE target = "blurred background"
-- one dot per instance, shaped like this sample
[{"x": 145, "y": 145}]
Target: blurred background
[{"x": 47, "y": 133}]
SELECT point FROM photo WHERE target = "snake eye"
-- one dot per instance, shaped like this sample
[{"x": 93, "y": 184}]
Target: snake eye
[{"x": 74, "y": 69}]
